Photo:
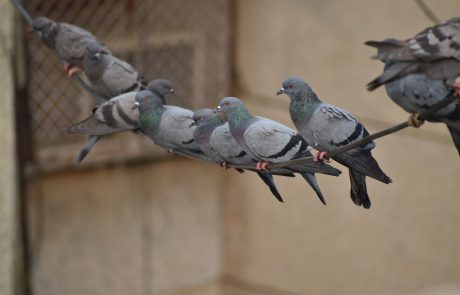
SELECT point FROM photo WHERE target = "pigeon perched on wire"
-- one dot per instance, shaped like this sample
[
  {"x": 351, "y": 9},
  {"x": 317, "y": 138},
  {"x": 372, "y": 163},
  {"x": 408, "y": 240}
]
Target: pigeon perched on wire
[
  {"x": 66, "y": 40},
  {"x": 328, "y": 127},
  {"x": 417, "y": 92},
  {"x": 109, "y": 75},
  {"x": 170, "y": 127},
  {"x": 116, "y": 115},
  {"x": 434, "y": 52},
  {"x": 214, "y": 137},
  {"x": 209, "y": 127},
  {"x": 269, "y": 141}
]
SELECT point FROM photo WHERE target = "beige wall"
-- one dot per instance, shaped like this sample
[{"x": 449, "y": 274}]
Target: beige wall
[
  {"x": 127, "y": 230},
  {"x": 408, "y": 242},
  {"x": 9, "y": 249},
  {"x": 175, "y": 226}
]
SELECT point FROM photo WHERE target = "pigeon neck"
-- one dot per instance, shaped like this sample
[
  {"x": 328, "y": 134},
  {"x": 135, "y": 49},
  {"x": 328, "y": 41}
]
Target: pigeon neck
[
  {"x": 160, "y": 95},
  {"x": 150, "y": 116},
  {"x": 49, "y": 37},
  {"x": 302, "y": 107},
  {"x": 204, "y": 131},
  {"x": 238, "y": 117}
]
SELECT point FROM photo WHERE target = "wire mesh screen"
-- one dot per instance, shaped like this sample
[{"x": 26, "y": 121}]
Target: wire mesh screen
[{"x": 184, "y": 41}]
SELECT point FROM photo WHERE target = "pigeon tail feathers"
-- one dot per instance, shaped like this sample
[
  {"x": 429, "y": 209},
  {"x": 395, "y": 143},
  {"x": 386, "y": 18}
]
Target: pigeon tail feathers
[
  {"x": 267, "y": 178},
  {"x": 89, "y": 143},
  {"x": 358, "y": 190},
  {"x": 311, "y": 179},
  {"x": 455, "y": 134}
]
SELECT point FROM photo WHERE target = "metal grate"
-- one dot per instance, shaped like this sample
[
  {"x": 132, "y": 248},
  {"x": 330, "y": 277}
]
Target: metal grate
[{"x": 181, "y": 40}]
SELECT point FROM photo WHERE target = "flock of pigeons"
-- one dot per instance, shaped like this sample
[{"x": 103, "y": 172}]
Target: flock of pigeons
[{"x": 418, "y": 73}]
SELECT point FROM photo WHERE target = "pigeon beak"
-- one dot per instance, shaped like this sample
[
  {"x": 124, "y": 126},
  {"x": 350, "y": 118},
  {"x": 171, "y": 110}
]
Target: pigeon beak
[
  {"x": 218, "y": 109},
  {"x": 97, "y": 55},
  {"x": 192, "y": 124},
  {"x": 171, "y": 90},
  {"x": 135, "y": 106},
  {"x": 281, "y": 91}
]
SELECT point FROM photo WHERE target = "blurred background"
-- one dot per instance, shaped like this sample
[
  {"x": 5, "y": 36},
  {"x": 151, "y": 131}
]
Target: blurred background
[{"x": 133, "y": 219}]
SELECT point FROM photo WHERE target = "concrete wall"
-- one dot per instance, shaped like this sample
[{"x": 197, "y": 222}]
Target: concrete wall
[
  {"x": 408, "y": 242},
  {"x": 143, "y": 229},
  {"x": 174, "y": 226},
  {"x": 9, "y": 249}
]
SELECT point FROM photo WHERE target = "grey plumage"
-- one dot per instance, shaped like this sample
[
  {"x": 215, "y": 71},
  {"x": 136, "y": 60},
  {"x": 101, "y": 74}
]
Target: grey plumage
[
  {"x": 66, "y": 40},
  {"x": 434, "y": 52},
  {"x": 417, "y": 92},
  {"x": 109, "y": 75},
  {"x": 116, "y": 115},
  {"x": 267, "y": 140},
  {"x": 328, "y": 127},
  {"x": 221, "y": 142},
  {"x": 210, "y": 136},
  {"x": 169, "y": 127}
]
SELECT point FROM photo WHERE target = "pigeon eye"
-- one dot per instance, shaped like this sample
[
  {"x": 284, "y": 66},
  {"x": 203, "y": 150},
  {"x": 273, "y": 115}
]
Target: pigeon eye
[
  {"x": 290, "y": 85},
  {"x": 226, "y": 103},
  {"x": 145, "y": 98}
]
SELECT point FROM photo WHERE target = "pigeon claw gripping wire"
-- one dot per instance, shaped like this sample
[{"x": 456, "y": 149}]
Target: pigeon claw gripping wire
[
  {"x": 262, "y": 166},
  {"x": 224, "y": 165},
  {"x": 321, "y": 157},
  {"x": 72, "y": 70},
  {"x": 415, "y": 121},
  {"x": 456, "y": 88}
]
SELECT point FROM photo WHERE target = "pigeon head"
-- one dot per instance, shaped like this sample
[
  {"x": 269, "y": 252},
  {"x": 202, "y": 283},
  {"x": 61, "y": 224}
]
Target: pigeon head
[
  {"x": 43, "y": 24},
  {"x": 46, "y": 29},
  {"x": 202, "y": 114},
  {"x": 147, "y": 99},
  {"x": 231, "y": 107},
  {"x": 161, "y": 88},
  {"x": 297, "y": 89},
  {"x": 207, "y": 116}
]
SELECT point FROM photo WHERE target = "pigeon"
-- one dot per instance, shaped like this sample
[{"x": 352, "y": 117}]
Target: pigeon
[
  {"x": 66, "y": 40},
  {"x": 116, "y": 115},
  {"x": 109, "y": 75},
  {"x": 417, "y": 92},
  {"x": 328, "y": 127},
  {"x": 170, "y": 127},
  {"x": 269, "y": 141},
  {"x": 225, "y": 149},
  {"x": 230, "y": 151},
  {"x": 434, "y": 52}
]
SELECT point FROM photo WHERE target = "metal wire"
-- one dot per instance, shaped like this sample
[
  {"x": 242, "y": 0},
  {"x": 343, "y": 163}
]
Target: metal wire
[{"x": 422, "y": 116}]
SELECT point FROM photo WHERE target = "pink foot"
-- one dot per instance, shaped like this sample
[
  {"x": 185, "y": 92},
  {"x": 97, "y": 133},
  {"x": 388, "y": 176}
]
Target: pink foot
[
  {"x": 224, "y": 165},
  {"x": 456, "y": 87},
  {"x": 321, "y": 157},
  {"x": 72, "y": 70},
  {"x": 262, "y": 165}
]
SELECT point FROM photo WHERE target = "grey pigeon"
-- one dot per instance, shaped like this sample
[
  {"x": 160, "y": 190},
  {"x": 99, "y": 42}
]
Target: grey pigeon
[
  {"x": 116, "y": 115},
  {"x": 109, "y": 75},
  {"x": 269, "y": 141},
  {"x": 169, "y": 127},
  {"x": 434, "y": 52},
  {"x": 66, "y": 40},
  {"x": 417, "y": 92},
  {"x": 209, "y": 138},
  {"x": 214, "y": 138},
  {"x": 328, "y": 127}
]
